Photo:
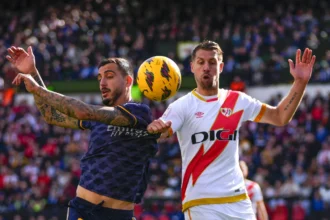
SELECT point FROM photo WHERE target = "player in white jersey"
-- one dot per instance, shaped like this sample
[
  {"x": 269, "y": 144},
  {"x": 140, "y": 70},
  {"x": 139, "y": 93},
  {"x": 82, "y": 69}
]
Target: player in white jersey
[
  {"x": 207, "y": 121},
  {"x": 254, "y": 193}
]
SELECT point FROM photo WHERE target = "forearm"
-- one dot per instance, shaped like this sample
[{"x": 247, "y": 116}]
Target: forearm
[
  {"x": 79, "y": 110},
  {"x": 262, "y": 212},
  {"x": 50, "y": 114},
  {"x": 288, "y": 106}
]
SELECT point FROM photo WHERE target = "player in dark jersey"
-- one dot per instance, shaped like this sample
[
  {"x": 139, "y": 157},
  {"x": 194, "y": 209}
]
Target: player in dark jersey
[{"x": 114, "y": 169}]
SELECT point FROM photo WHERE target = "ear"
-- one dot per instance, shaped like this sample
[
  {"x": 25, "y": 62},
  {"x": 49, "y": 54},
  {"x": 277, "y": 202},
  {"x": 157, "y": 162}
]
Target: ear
[
  {"x": 221, "y": 66},
  {"x": 129, "y": 81}
]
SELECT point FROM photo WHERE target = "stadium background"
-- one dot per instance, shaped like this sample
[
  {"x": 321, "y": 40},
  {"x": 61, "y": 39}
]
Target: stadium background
[{"x": 39, "y": 163}]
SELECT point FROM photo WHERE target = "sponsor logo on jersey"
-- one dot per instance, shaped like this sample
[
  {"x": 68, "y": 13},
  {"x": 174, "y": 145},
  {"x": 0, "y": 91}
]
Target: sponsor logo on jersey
[
  {"x": 220, "y": 135},
  {"x": 199, "y": 114}
]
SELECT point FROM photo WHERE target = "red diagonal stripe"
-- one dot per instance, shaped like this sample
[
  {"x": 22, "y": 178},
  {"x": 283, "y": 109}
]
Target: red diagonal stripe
[
  {"x": 189, "y": 170},
  {"x": 229, "y": 124}
]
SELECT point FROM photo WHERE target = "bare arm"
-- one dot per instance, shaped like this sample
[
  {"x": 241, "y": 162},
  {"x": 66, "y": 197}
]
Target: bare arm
[
  {"x": 49, "y": 113},
  {"x": 285, "y": 110},
  {"x": 82, "y": 111},
  {"x": 301, "y": 71},
  {"x": 24, "y": 62},
  {"x": 261, "y": 211}
]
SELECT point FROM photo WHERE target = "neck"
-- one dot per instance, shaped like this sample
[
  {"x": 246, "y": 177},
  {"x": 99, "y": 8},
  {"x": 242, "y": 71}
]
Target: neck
[{"x": 207, "y": 92}]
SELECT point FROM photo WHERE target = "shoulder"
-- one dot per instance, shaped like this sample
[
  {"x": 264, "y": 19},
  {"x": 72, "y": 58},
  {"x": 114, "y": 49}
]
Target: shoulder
[{"x": 135, "y": 107}]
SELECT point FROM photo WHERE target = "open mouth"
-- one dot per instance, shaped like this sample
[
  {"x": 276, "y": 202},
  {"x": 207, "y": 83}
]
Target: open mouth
[
  {"x": 206, "y": 76},
  {"x": 104, "y": 92}
]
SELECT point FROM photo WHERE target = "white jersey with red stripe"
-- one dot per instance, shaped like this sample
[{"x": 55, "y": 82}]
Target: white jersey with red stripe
[
  {"x": 254, "y": 192},
  {"x": 207, "y": 130}
]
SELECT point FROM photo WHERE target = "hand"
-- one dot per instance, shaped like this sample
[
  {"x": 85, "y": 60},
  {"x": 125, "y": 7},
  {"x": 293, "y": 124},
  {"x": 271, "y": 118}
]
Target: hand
[
  {"x": 159, "y": 126},
  {"x": 30, "y": 84},
  {"x": 23, "y": 61},
  {"x": 302, "y": 69}
]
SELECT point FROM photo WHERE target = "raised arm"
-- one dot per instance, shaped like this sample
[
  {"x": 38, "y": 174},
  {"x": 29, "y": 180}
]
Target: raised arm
[
  {"x": 75, "y": 108},
  {"x": 25, "y": 62},
  {"x": 301, "y": 72}
]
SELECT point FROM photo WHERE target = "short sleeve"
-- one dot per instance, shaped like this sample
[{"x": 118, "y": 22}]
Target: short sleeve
[
  {"x": 83, "y": 125},
  {"x": 257, "y": 193},
  {"x": 254, "y": 109},
  {"x": 139, "y": 114},
  {"x": 174, "y": 114}
]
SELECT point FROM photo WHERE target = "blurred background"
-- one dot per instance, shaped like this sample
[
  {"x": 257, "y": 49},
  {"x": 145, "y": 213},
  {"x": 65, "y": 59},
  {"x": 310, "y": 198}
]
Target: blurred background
[{"x": 39, "y": 163}]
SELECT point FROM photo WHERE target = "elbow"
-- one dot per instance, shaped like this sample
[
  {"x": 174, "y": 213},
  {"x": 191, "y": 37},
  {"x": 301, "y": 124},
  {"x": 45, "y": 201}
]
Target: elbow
[
  {"x": 81, "y": 116},
  {"x": 283, "y": 123}
]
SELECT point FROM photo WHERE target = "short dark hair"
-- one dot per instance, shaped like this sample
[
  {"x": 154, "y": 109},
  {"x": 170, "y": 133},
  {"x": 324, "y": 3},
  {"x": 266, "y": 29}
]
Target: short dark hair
[
  {"x": 123, "y": 65},
  {"x": 207, "y": 45}
]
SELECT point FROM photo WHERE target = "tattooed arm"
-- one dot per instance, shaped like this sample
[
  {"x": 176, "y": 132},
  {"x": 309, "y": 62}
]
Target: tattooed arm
[
  {"x": 75, "y": 108},
  {"x": 82, "y": 111},
  {"x": 49, "y": 113},
  {"x": 301, "y": 71},
  {"x": 24, "y": 62}
]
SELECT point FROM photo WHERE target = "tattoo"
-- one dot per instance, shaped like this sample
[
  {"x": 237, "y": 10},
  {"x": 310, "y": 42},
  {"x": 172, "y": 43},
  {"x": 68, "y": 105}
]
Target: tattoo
[
  {"x": 80, "y": 110},
  {"x": 291, "y": 100},
  {"x": 49, "y": 113},
  {"x": 56, "y": 115}
]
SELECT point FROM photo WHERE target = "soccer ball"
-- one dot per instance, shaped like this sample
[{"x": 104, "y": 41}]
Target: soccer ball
[{"x": 158, "y": 78}]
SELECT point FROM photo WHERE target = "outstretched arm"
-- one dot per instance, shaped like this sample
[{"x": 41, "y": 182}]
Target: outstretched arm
[
  {"x": 24, "y": 62},
  {"x": 82, "y": 111},
  {"x": 301, "y": 71},
  {"x": 73, "y": 107}
]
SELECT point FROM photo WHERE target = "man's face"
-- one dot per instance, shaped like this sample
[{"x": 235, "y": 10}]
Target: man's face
[
  {"x": 112, "y": 83},
  {"x": 207, "y": 67}
]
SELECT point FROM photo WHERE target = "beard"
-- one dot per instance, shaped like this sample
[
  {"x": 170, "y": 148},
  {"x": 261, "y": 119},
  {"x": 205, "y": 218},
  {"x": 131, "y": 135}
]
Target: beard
[{"x": 114, "y": 97}]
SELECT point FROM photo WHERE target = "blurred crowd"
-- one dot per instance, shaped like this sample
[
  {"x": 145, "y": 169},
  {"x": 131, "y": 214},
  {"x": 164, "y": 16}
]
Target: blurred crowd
[
  {"x": 39, "y": 163},
  {"x": 70, "y": 37}
]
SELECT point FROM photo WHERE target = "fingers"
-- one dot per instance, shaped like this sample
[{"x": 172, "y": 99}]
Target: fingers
[
  {"x": 298, "y": 54},
  {"x": 158, "y": 126},
  {"x": 30, "y": 51},
  {"x": 305, "y": 56},
  {"x": 310, "y": 54},
  {"x": 17, "y": 80},
  {"x": 312, "y": 61},
  {"x": 11, "y": 52},
  {"x": 291, "y": 64},
  {"x": 10, "y": 59}
]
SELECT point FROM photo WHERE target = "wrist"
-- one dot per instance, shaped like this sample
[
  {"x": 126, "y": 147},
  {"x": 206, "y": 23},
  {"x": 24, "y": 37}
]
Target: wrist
[
  {"x": 301, "y": 82},
  {"x": 34, "y": 72},
  {"x": 37, "y": 90}
]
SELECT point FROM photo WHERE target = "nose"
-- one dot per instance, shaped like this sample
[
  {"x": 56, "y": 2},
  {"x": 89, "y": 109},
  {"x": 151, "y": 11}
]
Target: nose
[
  {"x": 102, "y": 82},
  {"x": 206, "y": 66}
]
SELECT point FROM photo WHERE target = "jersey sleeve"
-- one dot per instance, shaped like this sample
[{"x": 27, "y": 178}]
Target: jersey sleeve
[
  {"x": 139, "y": 114},
  {"x": 254, "y": 109},
  {"x": 174, "y": 114},
  {"x": 257, "y": 193},
  {"x": 83, "y": 125}
]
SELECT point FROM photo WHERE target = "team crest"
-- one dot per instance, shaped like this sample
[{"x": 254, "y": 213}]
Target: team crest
[
  {"x": 226, "y": 111},
  {"x": 165, "y": 71},
  {"x": 149, "y": 79}
]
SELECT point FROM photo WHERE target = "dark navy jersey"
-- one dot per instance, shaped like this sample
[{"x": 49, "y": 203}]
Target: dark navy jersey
[{"x": 116, "y": 163}]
